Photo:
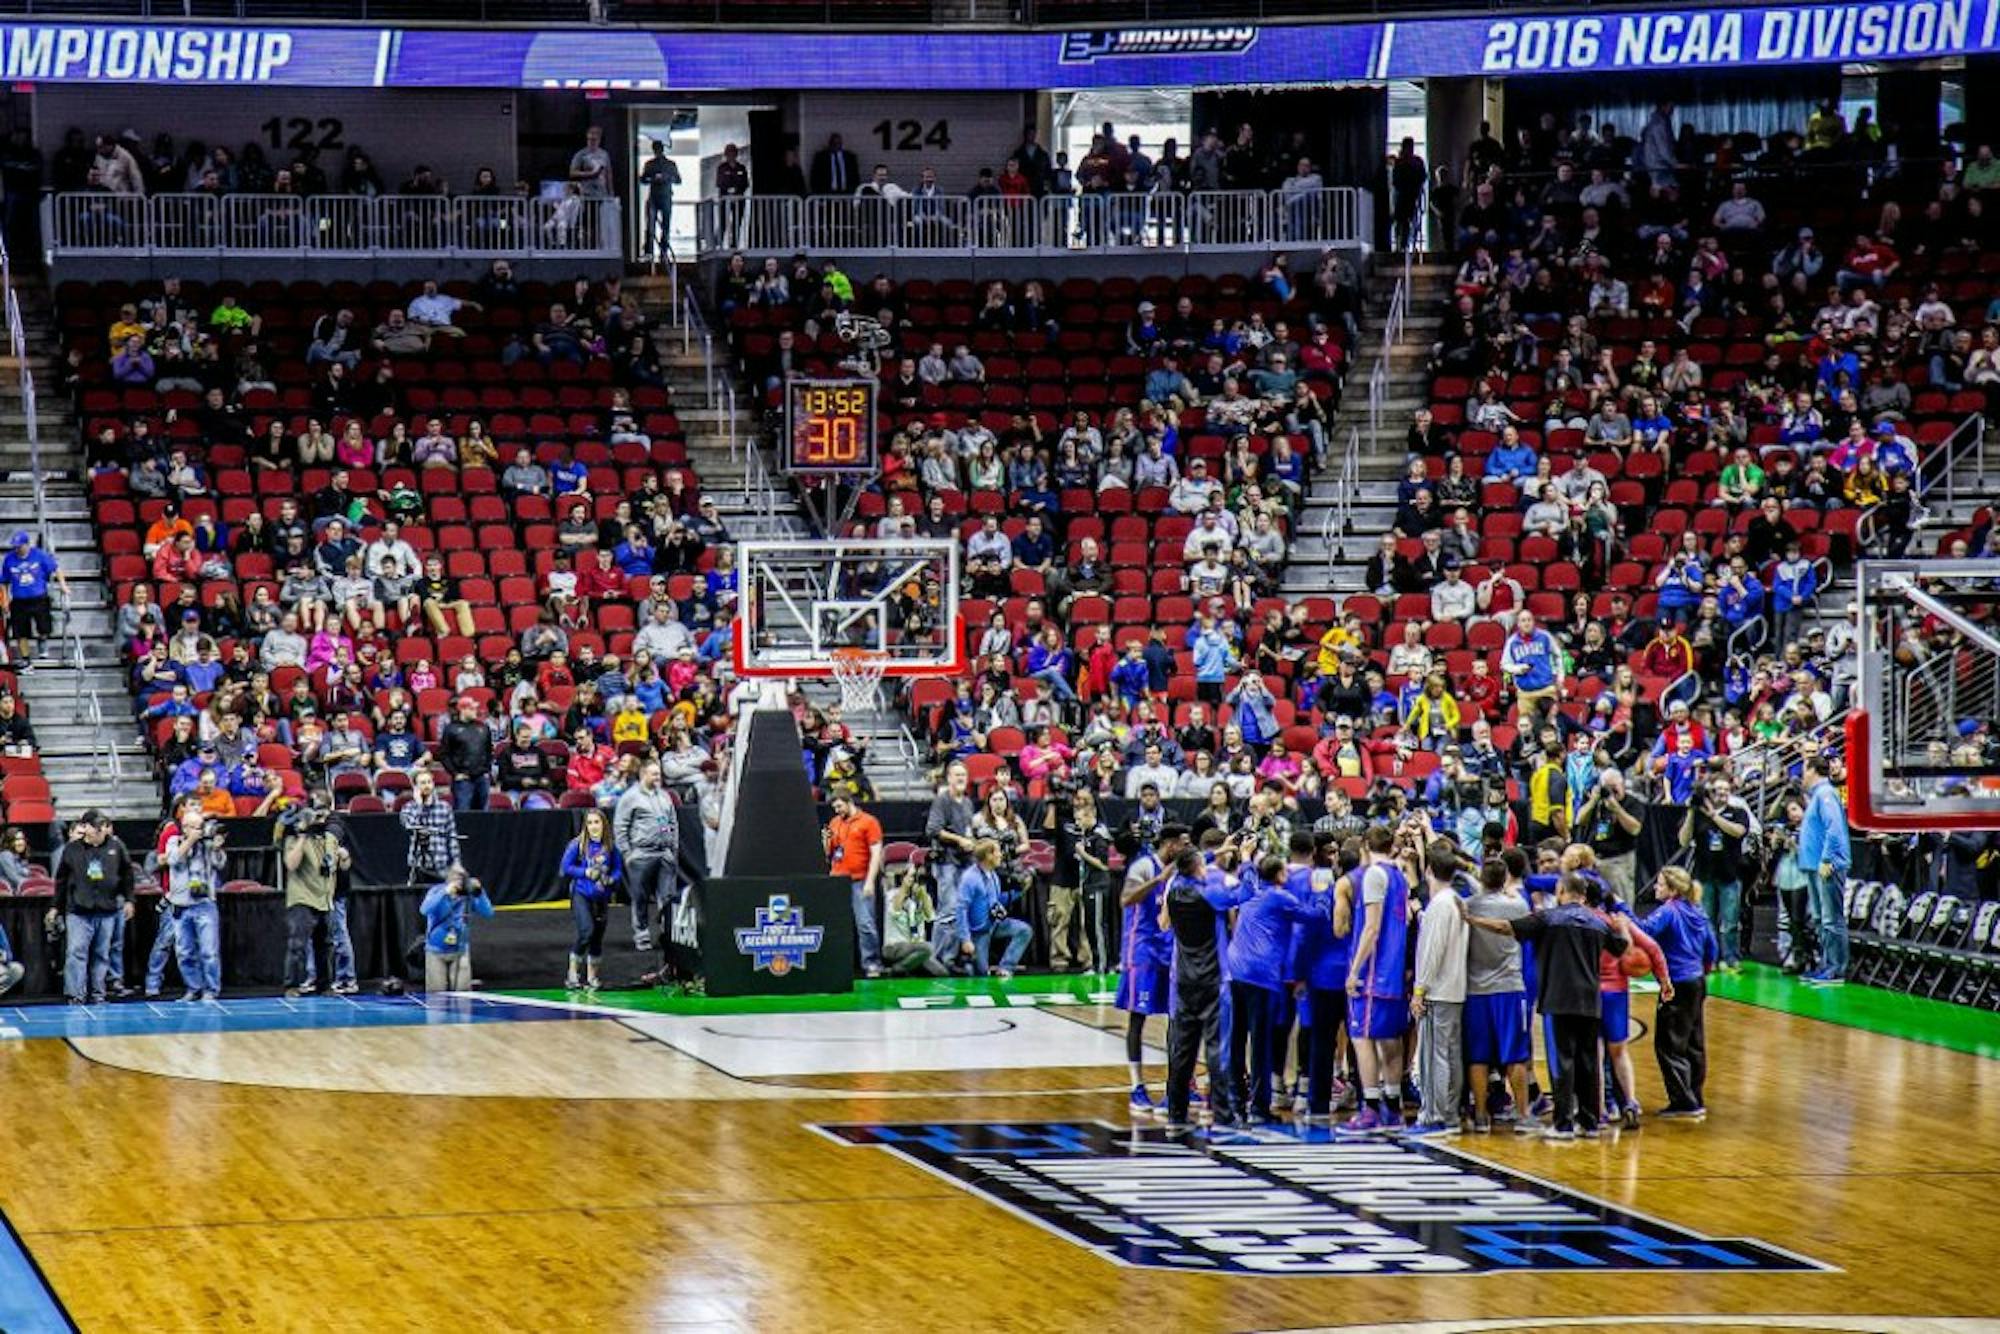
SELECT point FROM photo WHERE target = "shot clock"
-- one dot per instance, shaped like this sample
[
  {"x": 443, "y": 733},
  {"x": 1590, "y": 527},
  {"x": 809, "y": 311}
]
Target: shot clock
[{"x": 830, "y": 426}]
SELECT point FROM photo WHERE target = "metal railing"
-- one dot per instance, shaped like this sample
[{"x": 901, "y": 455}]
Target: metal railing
[
  {"x": 1058, "y": 224},
  {"x": 330, "y": 226},
  {"x": 694, "y": 328},
  {"x": 1392, "y": 334},
  {"x": 1766, "y": 766},
  {"x": 1339, "y": 524},
  {"x": 1939, "y": 467}
]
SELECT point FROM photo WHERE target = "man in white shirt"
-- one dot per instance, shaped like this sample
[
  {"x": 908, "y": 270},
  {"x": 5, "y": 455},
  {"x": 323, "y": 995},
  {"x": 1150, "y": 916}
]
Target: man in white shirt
[
  {"x": 663, "y": 636},
  {"x": 438, "y": 311},
  {"x": 1190, "y": 494},
  {"x": 1154, "y": 773},
  {"x": 1207, "y": 533},
  {"x": 1437, "y": 1000},
  {"x": 284, "y": 646},
  {"x": 389, "y": 542},
  {"x": 989, "y": 544},
  {"x": 1739, "y": 213},
  {"x": 1454, "y": 600},
  {"x": 1575, "y": 484},
  {"x": 590, "y": 166}
]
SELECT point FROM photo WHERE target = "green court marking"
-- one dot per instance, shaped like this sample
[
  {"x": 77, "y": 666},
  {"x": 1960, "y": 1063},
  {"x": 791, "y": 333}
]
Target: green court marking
[
  {"x": 900, "y": 993},
  {"x": 1891, "y": 1013}
]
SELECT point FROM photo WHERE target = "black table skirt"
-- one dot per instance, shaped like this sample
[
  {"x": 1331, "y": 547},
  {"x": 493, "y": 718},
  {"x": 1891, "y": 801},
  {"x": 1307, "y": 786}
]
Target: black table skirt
[{"x": 382, "y": 922}]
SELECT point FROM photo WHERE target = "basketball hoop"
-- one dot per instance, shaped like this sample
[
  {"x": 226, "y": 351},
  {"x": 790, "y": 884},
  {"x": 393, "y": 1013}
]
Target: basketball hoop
[{"x": 858, "y": 672}]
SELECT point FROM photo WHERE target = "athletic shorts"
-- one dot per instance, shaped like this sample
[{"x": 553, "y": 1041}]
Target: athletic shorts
[
  {"x": 1379, "y": 1018},
  {"x": 1142, "y": 989},
  {"x": 31, "y": 618},
  {"x": 1617, "y": 1007},
  {"x": 1496, "y": 1029}
]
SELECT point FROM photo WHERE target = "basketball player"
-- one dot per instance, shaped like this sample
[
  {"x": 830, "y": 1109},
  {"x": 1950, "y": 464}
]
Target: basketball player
[
  {"x": 1498, "y": 1016},
  {"x": 1378, "y": 1010},
  {"x": 1259, "y": 956},
  {"x": 1197, "y": 910},
  {"x": 1143, "y": 967},
  {"x": 1571, "y": 940},
  {"x": 1324, "y": 942}
]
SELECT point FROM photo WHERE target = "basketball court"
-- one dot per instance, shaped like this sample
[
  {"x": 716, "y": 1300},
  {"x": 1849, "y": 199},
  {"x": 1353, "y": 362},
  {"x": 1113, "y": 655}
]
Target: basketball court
[{"x": 950, "y": 1154}]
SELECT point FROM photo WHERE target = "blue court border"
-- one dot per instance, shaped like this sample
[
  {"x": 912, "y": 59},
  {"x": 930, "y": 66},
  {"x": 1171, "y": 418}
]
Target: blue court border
[
  {"x": 265, "y": 1014},
  {"x": 28, "y": 1301}
]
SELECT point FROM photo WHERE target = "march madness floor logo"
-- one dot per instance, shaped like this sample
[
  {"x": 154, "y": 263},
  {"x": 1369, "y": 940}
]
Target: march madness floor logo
[{"x": 1284, "y": 1203}]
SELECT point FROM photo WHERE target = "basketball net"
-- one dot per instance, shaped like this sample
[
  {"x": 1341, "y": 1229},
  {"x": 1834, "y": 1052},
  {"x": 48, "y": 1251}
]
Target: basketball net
[{"x": 858, "y": 672}]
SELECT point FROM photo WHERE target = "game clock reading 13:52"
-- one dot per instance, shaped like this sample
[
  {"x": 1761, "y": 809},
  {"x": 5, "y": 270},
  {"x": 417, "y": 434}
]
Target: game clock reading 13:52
[{"x": 831, "y": 426}]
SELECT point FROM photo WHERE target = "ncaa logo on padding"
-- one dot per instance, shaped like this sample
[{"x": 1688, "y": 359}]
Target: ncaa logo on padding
[
  {"x": 1284, "y": 1202},
  {"x": 781, "y": 940}
]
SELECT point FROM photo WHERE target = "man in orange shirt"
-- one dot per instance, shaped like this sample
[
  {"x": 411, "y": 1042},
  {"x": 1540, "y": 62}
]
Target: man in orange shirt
[
  {"x": 213, "y": 799},
  {"x": 854, "y": 843}
]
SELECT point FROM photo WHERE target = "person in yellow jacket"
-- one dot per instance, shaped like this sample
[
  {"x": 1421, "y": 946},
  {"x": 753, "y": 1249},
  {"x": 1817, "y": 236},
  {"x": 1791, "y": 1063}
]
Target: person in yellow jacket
[
  {"x": 1433, "y": 714},
  {"x": 1340, "y": 639}
]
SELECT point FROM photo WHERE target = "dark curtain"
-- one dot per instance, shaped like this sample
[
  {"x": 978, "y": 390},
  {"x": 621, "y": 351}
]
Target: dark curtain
[
  {"x": 515, "y": 854},
  {"x": 381, "y": 921},
  {"x": 1345, "y": 130},
  {"x": 1717, "y": 102}
]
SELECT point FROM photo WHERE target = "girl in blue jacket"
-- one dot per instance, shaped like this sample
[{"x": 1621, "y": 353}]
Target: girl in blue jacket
[{"x": 592, "y": 869}]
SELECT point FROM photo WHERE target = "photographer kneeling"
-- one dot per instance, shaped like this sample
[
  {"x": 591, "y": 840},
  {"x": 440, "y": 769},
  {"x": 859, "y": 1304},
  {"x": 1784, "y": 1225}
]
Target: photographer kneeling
[
  {"x": 194, "y": 859},
  {"x": 447, "y": 911},
  {"x": 313, "y": 860}
]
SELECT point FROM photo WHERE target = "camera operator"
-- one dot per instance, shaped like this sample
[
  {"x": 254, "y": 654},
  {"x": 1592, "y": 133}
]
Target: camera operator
[
  {"x": 313, "y": 859},
  {"x": 1723, "y": 832},
  {"x": 194, "y": 858},
  {"x": 1082, "y": 880},
  {"x": 949, "y": 829},
  {"x": 1609, "y": 820},
  {"x": 432, "y": 823},
  {"x": 94, "y": 897},
  {"x": 447, "y": 911}
]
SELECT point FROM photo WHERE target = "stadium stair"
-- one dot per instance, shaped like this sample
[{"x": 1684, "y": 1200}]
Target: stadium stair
[
  {"x": 1324, "y": 563},
  {"x": 76, "y": 754},
  {"x": 707, "y": 428}
]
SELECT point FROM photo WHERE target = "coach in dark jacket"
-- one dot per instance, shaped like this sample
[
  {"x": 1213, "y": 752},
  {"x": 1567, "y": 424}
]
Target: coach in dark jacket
[
  {"x": 466, "y": 748},
  {"x": 94, "y": 895}
]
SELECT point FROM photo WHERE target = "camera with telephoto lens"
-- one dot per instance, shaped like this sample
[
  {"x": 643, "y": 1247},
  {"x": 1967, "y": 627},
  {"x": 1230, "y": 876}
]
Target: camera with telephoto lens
[
  {"x": 466, "y": 886},
  {"x": 303, "y": 818}
]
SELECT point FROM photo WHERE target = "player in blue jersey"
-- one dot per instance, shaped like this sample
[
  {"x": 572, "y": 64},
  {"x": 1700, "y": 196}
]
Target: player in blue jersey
[
  {"x": 1378, "y": 1012},
  {"x": 1320, "y": 958},
  {"x": 1259, "y": 961},
  {"x": 1147, "y": 956}
]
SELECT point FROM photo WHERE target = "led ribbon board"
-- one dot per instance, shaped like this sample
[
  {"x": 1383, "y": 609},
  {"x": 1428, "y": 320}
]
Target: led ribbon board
[{"x": 1580, "y": 42}]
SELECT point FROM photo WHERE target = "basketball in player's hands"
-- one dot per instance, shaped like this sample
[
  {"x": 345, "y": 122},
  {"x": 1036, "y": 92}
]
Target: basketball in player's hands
[{"x": 1635, "y": 963}]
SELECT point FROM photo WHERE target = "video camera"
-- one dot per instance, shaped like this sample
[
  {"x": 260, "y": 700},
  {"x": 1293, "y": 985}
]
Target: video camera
[{"x": 303, "y": 818}]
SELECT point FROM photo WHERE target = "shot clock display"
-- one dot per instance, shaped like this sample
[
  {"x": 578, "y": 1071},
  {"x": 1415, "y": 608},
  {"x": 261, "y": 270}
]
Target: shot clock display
[{"x": 830, "y": 426}]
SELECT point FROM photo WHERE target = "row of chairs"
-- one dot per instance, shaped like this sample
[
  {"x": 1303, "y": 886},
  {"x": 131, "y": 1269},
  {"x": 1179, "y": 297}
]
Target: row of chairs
[{"x": 1931, "y": 944}]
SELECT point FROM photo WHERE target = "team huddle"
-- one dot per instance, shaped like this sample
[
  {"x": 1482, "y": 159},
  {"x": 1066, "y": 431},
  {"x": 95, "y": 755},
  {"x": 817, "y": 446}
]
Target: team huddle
[{"x": 1407, "y": 969}]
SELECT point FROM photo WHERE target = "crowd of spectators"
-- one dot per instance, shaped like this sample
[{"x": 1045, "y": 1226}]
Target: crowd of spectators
[
  {"x": 356, "y": 534},
  {"x": 1660, "y": 420}
]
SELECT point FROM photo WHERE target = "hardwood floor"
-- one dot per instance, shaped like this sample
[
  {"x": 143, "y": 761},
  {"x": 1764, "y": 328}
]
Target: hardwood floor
[{"x": 572, "y": 1179}]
